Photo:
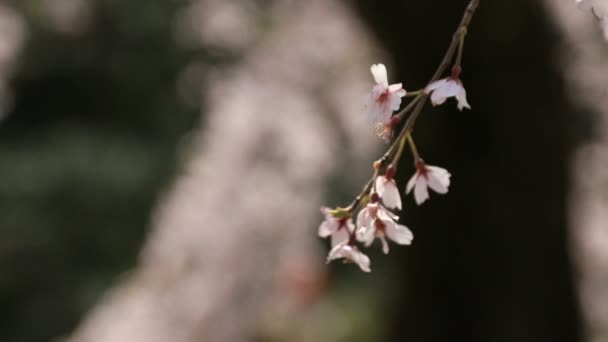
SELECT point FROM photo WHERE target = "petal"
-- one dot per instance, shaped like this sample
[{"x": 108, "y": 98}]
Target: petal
[
  {"x": 366, "y": 235},
  {"x": 363, "y": 218},
  {"x": 395, "y": 87},
  {"x": 421, "y": 193},
  {"x": 379, "y": 73},
  {"x": 340, "y": 236},
  {"x": 451, "y": 88},
  {"x": 374, "y": 111},
  {"x": 385, "y": 248},
  {"x": 337, "y": 252},
  {"x": 380, "y": 185},
  {"x": 411, "y": 183},
  {"x": 461, "y": 97},
  {"x": 439, "y": 179},
  {"x": 437, "y": 98},
  {"x": 401, "y": 92},
  {"x": 440, "y": 173},
  {"x": 350, "y": 226},
  {"x": 399, "y": 233},
  {"x": 391, "y": 198},
  {"x": 329, "y": 224},
  {"x": 327, "y": 228},
  {"x": 435, "y": 85},
  {"x": 394, "y": 102},
  {"x": 361, "y": 260}
]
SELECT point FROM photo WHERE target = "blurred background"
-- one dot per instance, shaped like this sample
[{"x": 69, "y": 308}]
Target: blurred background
[{"x": 162, "y": 165}]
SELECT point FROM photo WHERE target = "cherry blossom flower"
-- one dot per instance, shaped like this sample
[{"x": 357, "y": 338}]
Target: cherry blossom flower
[
  {"x": 384, "y": 98},
  {"x": 350, "y": 253},
  {"x": 387, "y": 189},
  {"x": 428, "y": 176},
  {"x": 375, "y": 221},
  {"x": 448, "y": 87},
  {"x": 338, "y": 228}
]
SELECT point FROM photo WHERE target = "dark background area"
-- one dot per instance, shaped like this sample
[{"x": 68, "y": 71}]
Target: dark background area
[
  {"x": 92, "y": 141},
  {"x": 491, "y": 262}
]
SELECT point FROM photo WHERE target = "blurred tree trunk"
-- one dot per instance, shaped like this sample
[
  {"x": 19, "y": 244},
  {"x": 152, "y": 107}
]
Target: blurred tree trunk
[
  {"x": 234, "y": 254},
  {"x": 586, "y": 69},
  {"x": 491, "y": 260}
]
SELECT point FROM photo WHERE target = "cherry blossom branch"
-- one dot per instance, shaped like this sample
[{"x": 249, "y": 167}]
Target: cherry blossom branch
[
  {"x": 420, "y": 100},
  {"x": 381, "y": 194}
]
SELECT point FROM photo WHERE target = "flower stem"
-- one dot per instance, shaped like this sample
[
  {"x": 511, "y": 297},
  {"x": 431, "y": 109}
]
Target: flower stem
[
  {"x": 414, "y": 93},
  {"x": 397, "y": 156},
  {"x": 463, "y": 33},
  {"x": 413, "y": 147}
]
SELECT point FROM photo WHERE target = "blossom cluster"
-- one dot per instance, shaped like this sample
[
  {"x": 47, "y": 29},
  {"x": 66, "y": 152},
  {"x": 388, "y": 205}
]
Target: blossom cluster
[
  {"x": 376, "y": 205},
  {"x": 374, "y": 208}
]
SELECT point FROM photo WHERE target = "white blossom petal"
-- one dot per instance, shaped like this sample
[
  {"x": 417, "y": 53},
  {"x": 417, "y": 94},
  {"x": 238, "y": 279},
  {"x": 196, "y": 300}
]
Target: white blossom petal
[
  {"x": 361, "y": 260},
  {"x": 388, "y": 191},
  {"x": 329, "y": 225},
  {"x": 435, "y": 85},
  {"x": 385, "y": 214},
  {"x": 437, "y": 98},
  {"x": 411, "y": 183},
  {"x": 394, "y": 102},
  {"x": 439, "y": 179},
  {"x": 350, "y": 253},
  {"x": 379, "y": 73},
  {"x": 461, "y": 97},
  {"x": 364, "y": 218},
  {"x": 395, "y": 88},
  {"x": 327, "y": 228},
  {"x": 340, "y": 236},
  {"x": 366, "y": 235},
  {"x": 399, "y": 234},
  {"x": 385, "y": 248},
  {"x": 421, "y": 192},
  {"x": 451, "y": 88}
]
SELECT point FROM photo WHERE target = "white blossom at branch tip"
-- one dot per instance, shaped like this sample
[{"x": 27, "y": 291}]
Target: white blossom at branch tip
[
  {"x": 375, "y": 221},
  {"x": 428, "y": 176},
  {"x": 350, "y": 253},
  {"x": 388, "y": 192},
  {"x": 338, "y": 229},
  {"x": 384, "y": 98},
  {"x": 448, "y": 87}
]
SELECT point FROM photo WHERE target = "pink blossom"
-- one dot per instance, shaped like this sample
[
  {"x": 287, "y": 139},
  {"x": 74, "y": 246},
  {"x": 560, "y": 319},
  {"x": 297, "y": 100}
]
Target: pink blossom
[
  {"x": 384, "y": 98},
  {"x": 428, "y": 176}
]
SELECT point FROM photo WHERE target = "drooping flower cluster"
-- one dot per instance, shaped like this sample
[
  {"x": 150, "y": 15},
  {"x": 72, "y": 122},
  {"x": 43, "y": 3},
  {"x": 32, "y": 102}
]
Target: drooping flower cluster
[
  {"x": 374, "y": 207},
  {"x": 374, "y": 219}
]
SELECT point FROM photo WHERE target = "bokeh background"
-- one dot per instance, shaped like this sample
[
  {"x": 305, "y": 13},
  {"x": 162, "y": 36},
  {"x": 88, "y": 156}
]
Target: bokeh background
[{"x": 162, "y": 163}]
